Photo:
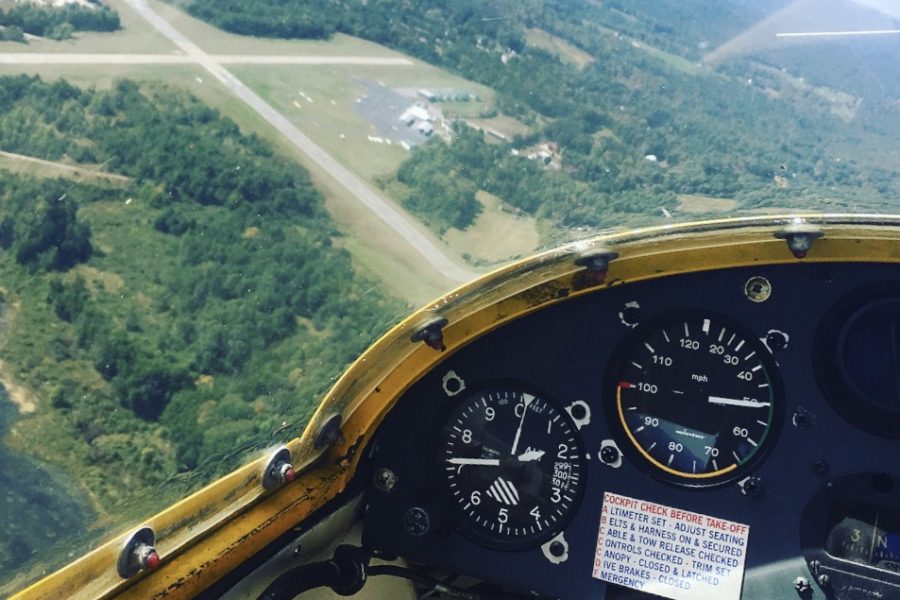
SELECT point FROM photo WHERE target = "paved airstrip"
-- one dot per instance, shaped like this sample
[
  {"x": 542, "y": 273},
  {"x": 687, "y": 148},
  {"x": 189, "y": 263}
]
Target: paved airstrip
[{"x": 190, "y": 53}]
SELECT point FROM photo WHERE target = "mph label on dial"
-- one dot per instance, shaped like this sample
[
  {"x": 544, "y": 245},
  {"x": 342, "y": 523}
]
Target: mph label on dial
[{"x": 669, "y": 552}]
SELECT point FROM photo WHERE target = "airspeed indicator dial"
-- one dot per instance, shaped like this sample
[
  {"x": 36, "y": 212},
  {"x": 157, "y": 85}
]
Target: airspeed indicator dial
[
  {"x": 696, "y": 398},
  {"x": 513, "y": 466}
]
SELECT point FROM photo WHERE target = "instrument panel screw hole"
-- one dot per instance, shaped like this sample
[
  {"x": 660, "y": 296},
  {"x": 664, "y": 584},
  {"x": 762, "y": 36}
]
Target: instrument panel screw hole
[
  {"x": 820, "y": 468},
  {"x": 802, "y": 586},
  {"x": 882, "y": 483},
  {"x": 751, "y": 486},
  {"x": 557, "y": 549},
  {"x": 416, "y": 521},
  {"x": 385, "y": 479},
  {"x": 802, "y": 419},
  {"x": 609, "y": 454},
  {"x": 757, "y": 289},
  {"x": 630, "y": 315},
  {"x": 776, "y": 340}
]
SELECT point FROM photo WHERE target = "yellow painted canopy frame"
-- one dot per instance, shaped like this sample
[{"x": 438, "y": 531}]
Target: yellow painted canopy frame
[{"x": 208, "y": 534}]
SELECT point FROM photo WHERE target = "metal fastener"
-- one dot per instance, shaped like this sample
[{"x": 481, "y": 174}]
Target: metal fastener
[
  {"x": 329, "y": 433},
  {"x": 138, "y": 554},
  {"x": 384, "y": 479},
  {"x": 802, "y": 585},
  {"x": 757, "y": 289},
  {"x": 416, "y": 521},
  {"x": 799, "y": 236},
  {"x": 596, "y": 262},
  {"x": 432, "y": 333},
  {"x": 278, "y": 470}
]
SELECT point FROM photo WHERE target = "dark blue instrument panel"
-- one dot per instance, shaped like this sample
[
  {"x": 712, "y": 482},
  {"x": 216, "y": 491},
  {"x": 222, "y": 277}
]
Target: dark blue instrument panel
[{"x": 765, "y": 396}]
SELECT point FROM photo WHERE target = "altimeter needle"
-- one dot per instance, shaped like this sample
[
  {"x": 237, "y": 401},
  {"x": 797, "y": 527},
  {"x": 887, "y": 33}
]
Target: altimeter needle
[
  {"x": 489, "y": 462},
  {"x": 526, "y": 401},
  {"x": 738, "y": 402}
]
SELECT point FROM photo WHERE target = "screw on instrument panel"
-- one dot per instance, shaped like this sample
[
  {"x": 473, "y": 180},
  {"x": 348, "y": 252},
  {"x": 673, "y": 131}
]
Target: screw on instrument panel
[
  {"x": 297, "y": 551},
  {"x": 384, "y": 479},
  {"x": 556, "y": 550},
  {"x": 630, "y": 315},
  {"x": 278, "y": 470},
  {"x": 757, "y": 289},
  {"x": 820, "y": 468},
  {"x": 802, "y": 585},
  {"x": 329, "y": 433},
  {"x": 802, "y": 419},
  {"x": 416, "y": 521},
  {"x": 596, "y": 262},
  {"x": 799, "y": 236},
  {"x": 431, "y": 333},
  {"x": 751, "y": 486},
  {"x": 138, "y": 554},
  {"x": 609, "y": 454},
  {"x": 776, "y": 340},
  {"x": 823, "y": 580}
]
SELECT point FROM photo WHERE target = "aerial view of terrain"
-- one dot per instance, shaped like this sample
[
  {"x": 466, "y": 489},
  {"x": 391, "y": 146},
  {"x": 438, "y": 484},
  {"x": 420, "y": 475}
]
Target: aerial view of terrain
[{"x": 208, "y": 208}]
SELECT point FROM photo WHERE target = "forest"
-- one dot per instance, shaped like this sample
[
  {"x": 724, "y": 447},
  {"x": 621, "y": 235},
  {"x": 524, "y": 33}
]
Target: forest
[
  {"x": 176, "y": 321},
  {"x": 55, "y": 22},
  {"x": 706, "y": 132}
]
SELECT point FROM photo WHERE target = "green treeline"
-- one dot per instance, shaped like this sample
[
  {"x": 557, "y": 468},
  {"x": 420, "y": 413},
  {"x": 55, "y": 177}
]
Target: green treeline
[
  {"x": 56, "y": 22},
  {"x": 709, "y": 133},
  {"x": 41, "y": 228},
  {"x": 180, "y": 319}
]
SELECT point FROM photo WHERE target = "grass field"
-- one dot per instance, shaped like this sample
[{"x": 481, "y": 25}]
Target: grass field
[
  {"x": 558, "y": 46},
  {"x": 216, "y": 41},
  {"x": 134, "y": 37},
  {"x": 497, "y": 235},
  {"x": 694, "y": 203}
]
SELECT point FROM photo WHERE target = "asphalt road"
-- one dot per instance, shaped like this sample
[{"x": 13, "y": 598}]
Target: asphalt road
[{"x": 397, "y": 221}]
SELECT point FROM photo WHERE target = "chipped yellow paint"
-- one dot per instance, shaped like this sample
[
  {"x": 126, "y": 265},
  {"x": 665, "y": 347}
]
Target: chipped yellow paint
[{"x": 210, "y": 533}]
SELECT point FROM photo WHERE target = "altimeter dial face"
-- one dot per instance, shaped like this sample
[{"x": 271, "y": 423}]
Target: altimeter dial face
[
  {"x": 696, "y": 397},
  {"x": 513, "y": 465}
]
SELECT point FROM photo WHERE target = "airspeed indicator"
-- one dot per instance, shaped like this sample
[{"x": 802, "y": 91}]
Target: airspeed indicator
[{"x": 696, "y": 397}]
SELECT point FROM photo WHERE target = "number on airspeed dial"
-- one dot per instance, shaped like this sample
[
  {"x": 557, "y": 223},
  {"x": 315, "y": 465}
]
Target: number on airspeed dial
[{"x": 513, "y": 466}]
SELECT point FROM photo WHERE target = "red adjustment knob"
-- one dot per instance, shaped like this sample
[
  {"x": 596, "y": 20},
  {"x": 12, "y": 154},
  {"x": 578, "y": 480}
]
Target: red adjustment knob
[
  {"x": 286, "y": 472},
  {"x": 279, "y": 470},
  {"x": 152, "y": 560}
]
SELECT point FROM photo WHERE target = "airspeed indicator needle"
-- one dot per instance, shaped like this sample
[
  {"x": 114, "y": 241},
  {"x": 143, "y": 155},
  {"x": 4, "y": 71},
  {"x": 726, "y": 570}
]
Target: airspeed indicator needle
[{"x": 738, "y": 402}]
